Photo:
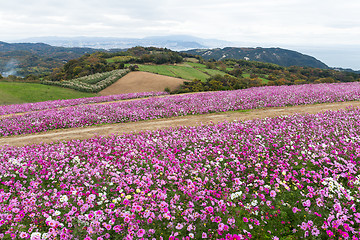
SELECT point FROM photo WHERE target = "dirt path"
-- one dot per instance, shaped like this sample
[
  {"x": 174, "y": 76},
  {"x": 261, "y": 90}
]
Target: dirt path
[{"x": 120, "y": 128}]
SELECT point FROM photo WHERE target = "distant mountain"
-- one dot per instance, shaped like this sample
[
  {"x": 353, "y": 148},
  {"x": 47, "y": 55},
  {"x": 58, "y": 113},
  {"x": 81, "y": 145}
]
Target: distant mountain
[
  {"x": 282, "y": 57},
  {"x": 25, "y": 58},
  {"x": 47, "y": 50},
  {"x": 173, "y": 42}
]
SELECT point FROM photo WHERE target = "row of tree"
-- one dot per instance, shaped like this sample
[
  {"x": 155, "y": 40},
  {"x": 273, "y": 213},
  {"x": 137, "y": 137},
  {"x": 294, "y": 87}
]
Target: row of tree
[
  {"x": 244, "y": 74},
  {"x": 103, "y": 61}
]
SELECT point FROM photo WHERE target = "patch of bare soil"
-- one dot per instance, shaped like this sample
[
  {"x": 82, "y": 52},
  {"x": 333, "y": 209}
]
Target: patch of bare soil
[
  {"x": 142, "y": 82},
  {"x": 193, "y": 120}
]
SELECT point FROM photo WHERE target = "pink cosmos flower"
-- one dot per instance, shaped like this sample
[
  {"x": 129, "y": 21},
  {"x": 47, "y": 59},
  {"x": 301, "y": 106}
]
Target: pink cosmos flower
[
  {"x": 141, "y": 232},
  {"x": 23, "y": 235},
  {"x": 337, "y": 207},
  {"x": 108, "y": 226},
  {"x": 179, "y": 226},
  {"x": 235, "y": 237},
  {"x": 209, "y": 209},
  {"x": 307, "y": 203},
  {"x": 217, "y": 219},
  {"x": 126, "y": 219},
  {"x": 272, "y": 193},
  {"x": 304, "y": 226},
  {"x": 90, "y": 216},
  {"x": 295, "y": 209},
  {"x": 117, "y": 228},
  {"x": 173, "y": 238},
  {"x": 315, "y": 231},
  {"x": 221, "y": 226},
  {"x": 330, "y": 233}
]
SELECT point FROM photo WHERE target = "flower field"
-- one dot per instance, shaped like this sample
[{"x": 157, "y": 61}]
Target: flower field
[
  {"x": 28, "y": 107},
  {"x": 178, "y": 105},
  {"x": 288, "y": 177}
]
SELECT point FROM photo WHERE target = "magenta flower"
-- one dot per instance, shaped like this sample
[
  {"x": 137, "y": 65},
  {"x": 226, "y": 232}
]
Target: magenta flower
[
  {"x": 23, "y": 235},
  {"x": 295, "y": 209},
  {"x": 209, "y": 209},
  {"x": 330, "y": 233},
  {"x": 337, "y": 207},
  {"x": 179, "y": 226},
  {"x": 307, "y": 203},
  {"x": 141, "y": 232},
  {"x": 117, "y": 228},
  {"x": 272, "y": 193},
  {"x": 126, "y": 219}
]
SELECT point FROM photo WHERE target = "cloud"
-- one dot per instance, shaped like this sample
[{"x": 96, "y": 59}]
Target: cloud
[{"x": 258, "y": 21}]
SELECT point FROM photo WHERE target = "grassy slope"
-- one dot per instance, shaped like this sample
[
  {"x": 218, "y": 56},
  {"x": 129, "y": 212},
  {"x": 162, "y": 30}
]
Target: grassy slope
[
  {"x": 12, "y": 93},
  {"x": 188, "y": 70}
]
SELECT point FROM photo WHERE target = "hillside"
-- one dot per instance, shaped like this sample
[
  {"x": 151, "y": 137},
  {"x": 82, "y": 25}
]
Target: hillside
[
  {"x": 282, "y": 57},
  {"x": 23, "y": 59},
  {"x": 17, "y": 92}
]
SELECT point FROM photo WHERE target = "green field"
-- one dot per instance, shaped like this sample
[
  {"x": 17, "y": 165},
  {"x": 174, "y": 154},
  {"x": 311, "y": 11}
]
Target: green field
[
  {"x": 187, "y": 70},
  {"x": 179, "y": 71},
  {"x": 12, "y": 93}
]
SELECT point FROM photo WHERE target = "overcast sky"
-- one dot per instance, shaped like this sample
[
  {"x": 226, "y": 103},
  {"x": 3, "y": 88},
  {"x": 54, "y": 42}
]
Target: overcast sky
[{"x": 264, "y": 23}]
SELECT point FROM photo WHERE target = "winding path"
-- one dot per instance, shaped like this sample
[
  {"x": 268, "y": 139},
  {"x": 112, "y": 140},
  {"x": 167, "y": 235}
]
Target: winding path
[{"x": 192, "y": 120}]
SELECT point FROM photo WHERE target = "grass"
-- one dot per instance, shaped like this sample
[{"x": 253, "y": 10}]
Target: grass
[
  {"x": 13, "y": 93},
  {"x": 188, "y": 73},
  {"x": 214, "y": 72},
  {"x": 264, "y": 80},
  {"x": 187, "y": 70},
  {"x": 196, "y": 65},
  {"x": 158, "y": 69},
  {"x": 180, "y": 71}
]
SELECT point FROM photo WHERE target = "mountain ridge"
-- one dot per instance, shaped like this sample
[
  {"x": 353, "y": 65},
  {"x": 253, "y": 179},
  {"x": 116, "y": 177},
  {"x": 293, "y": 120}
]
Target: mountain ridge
[
  {"x": 280, "y": 56},
  {"x": 14, "y": 57}
]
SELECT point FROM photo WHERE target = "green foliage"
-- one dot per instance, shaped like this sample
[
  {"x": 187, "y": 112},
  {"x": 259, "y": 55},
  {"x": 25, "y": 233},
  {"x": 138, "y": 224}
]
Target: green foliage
[
  {"x": 205, "y": 75},
  {"x": 99, "y": 62},
  {"x": 245, "y": 74},
  {"x": 36, "y": 58}
]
